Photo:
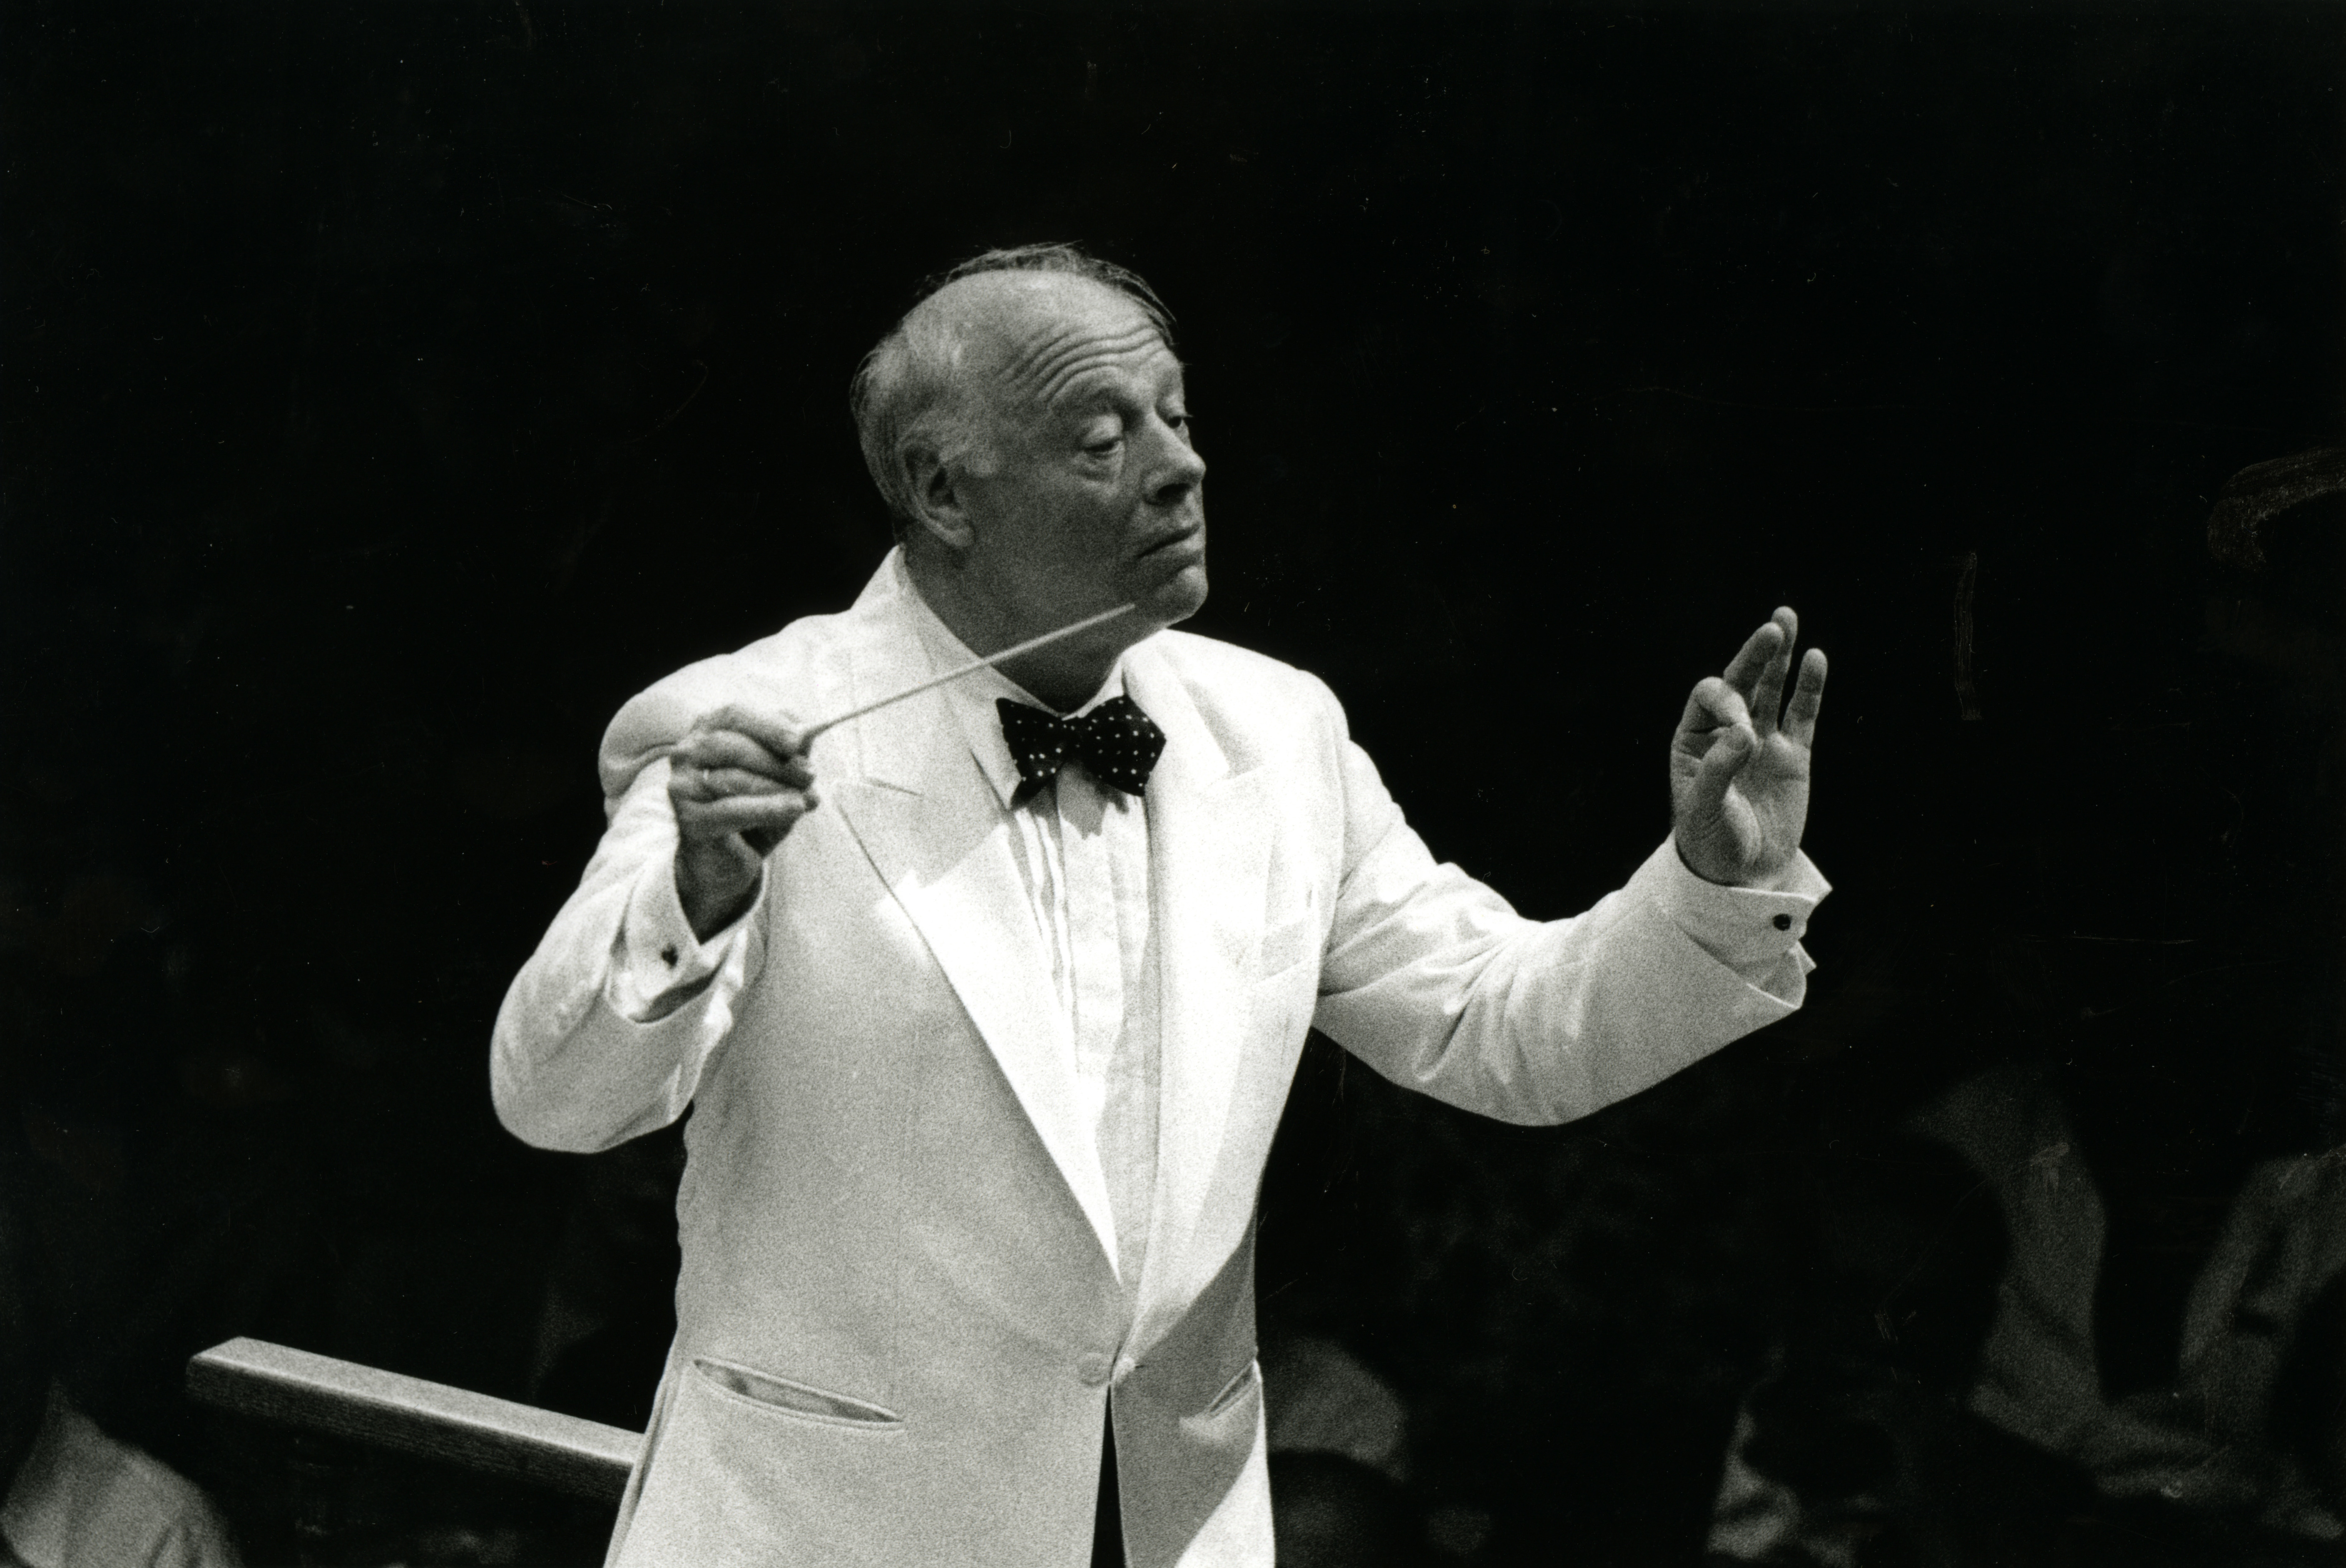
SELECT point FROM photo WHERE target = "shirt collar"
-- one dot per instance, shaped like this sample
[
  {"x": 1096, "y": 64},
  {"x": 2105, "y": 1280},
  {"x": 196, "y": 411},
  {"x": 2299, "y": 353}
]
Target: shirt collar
[{"x": 972, "y": 696}]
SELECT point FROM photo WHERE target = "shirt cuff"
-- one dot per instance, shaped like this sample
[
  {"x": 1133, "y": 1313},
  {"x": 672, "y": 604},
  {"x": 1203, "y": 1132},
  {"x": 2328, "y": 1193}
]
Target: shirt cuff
[
  {"x": 660, "y": 961},
  {"x": 1746, "y": 929}
]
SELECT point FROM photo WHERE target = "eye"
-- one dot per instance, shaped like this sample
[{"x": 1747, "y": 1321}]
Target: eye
[{"x": 1103, "y": 437}]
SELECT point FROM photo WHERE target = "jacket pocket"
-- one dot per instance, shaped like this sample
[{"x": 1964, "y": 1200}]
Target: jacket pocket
[
  {"x": 1234, "y": 1391},
  {"x": 1227, "y": 1422},
  {"x": 779, "y": 1396},
  {"x": 732, "y": 1479}
]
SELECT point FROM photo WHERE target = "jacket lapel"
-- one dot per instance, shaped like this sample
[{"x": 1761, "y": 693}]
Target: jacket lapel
[
  {"x": 933, "y": 829},
  {"x": 906, "y": 786},
  {"x": 1208, "y": 854}
]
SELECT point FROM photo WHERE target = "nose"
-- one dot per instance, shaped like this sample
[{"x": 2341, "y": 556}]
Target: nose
[{"x": 1179, "y": 470}]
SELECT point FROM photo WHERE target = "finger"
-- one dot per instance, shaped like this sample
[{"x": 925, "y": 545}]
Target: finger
[
  {"x": 777, "y": 733},
  {"x": 731, "y": 749},
  {"x": 718, "y": 783},
  {"x": 1800, "y": 718},
  {"x": 691, "y": 782},
  {"x": 1713, "y": 706},
  {"x": 1767, "y": 691},
  {"x": 1728, "y": 751},
  {"x": 1742, "y": 671},
  {"x": 728, "y": 749},
  {"x": 776, "y": 813}
]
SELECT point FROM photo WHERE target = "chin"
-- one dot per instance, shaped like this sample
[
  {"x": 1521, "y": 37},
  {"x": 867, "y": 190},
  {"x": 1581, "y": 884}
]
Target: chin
[{"x": 1177, "y": 598}]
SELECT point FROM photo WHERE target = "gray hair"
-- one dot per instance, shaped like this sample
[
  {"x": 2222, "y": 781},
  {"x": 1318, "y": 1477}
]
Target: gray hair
[{"x": 904, "y": 391}]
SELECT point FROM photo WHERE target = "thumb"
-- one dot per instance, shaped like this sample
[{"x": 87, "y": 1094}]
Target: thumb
[{"x": 1731, "y": 748}]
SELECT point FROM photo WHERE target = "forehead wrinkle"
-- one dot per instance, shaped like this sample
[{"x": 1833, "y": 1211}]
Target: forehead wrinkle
[
  {"x": 1086, "y": 377},
  {"x": 1044, "y": 370}
]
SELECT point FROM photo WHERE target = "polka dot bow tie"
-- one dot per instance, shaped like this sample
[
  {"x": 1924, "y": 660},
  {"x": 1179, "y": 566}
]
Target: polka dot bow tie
[{"x": 1117, "y": 743}]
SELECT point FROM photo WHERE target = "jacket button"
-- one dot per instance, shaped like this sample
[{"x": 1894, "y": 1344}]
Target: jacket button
[{"x": 1093, "y": 1369}]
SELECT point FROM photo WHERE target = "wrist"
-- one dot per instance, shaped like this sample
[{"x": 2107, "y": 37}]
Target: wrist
[
  {"x": 1768, "y": 874},
  {"x": 1701, "y": 864},
  {"x": 713, "y": 897}
]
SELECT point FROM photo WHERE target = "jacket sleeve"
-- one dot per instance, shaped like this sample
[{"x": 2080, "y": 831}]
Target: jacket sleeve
[
  {"x": 1435, "y": 982},
  {"x": 605, "y": 1033}
]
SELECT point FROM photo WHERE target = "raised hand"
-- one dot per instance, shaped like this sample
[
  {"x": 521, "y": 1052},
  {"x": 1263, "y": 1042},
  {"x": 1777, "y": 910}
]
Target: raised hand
[
  {"x": 738, "y": 782},
  {"x": 1739, "y": 773}
]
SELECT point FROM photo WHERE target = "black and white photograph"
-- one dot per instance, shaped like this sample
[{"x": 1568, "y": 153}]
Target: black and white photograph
[{"x": 669, "y": 898}]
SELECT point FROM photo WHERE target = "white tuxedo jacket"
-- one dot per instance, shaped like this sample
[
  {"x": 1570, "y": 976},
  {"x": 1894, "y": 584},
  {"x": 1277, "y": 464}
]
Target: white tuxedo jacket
[{"x": 899, "y": 1317}]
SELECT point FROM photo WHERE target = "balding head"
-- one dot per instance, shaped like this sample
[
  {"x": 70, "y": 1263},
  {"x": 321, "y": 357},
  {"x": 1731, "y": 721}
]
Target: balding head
[
  {"x": 940, "y": 379},
  {"x": 1028, "y": 422}
]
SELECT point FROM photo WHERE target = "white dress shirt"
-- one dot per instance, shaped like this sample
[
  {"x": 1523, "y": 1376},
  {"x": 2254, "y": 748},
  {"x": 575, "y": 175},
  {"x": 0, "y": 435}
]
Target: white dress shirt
[{"x": 1083, "y": 853}]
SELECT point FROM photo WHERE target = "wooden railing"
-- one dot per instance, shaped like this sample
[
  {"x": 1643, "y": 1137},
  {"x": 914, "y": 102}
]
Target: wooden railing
[{"x": 318, "y": 1393}]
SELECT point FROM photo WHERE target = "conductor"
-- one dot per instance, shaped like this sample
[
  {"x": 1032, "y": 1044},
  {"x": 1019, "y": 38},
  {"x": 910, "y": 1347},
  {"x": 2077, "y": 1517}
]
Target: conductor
[{"x": 987, "y": 1002}]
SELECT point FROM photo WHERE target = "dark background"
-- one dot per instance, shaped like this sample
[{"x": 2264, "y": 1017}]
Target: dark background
[{"x": 391, "y": 389}]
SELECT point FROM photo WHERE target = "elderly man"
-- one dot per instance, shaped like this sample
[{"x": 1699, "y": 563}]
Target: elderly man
[{"x": 986, "y": 1002}]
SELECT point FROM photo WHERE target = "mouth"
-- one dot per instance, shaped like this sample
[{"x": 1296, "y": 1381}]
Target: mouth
[{"x": 1190, "y": 540}]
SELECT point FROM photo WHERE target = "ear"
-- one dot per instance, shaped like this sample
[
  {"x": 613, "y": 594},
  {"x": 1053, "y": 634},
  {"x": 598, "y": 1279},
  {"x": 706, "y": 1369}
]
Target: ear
[{"x": 939, "y": 504}]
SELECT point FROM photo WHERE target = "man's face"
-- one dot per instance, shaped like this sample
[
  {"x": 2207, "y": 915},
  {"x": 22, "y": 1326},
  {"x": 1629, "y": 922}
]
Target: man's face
[{"x": 1084, "y": 491}]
